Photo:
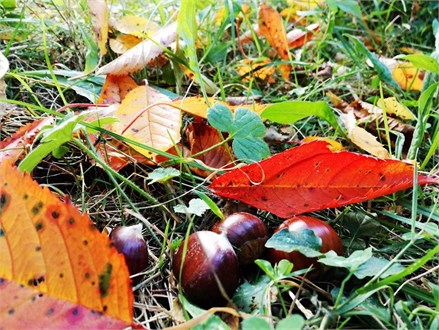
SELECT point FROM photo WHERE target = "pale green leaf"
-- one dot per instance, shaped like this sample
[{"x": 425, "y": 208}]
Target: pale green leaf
[
  {"x": 250, "y": 148},
  {"x": 423, "y": 62},
  {"x": 162, "y": 175},
  {"x": 305, "y": 241}
]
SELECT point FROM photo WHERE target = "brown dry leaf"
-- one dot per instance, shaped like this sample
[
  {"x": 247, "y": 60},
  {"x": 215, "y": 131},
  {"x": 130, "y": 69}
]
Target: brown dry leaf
[
  {"x": 99, "y": 16},
  {"x": 176, "y": 150},
  {"x": 136, "y": 26},
  {"x": 157, "y": 126},
  {"x": 123, "y": 43},
  {"x": 197, "y": 105},
  {"x": 407, "y": 76},
  {"x": 298, "y": 37},
  {"x": 362, "y": 138},
  {"x": 115, "y": 89},
  {"x": 142, "y": 54},
  {"x": 260, "y": 68},
  {"x": 271, "y": 26},
  {"x": 202, "y": 137},
  {"x": 393, "y": 107}
]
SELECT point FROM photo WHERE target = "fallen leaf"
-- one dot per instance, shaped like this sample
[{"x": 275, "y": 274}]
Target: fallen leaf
[
  {"x": 271, "y": 27},
  {"x": 121, "y": 44},
  {"x": 393, "y": 107},
  {"x": 260, "y": 68},
  {"x": 310, "y": 178},
  {"x": 50, "y": 246},
  {"x": 407, "y": 76},
  {"x": 99, "y": 16},
  {"x": 209, "y": 85},
  {"x": 137, "y": 26},
  {"x": 21, "y": 141},
  {"x": 142, "y": 54},
  {"x": 115, "y": 89},
  {"x": 333, "y": 145},
  {"x": 197, "y": 105},
  {"x": 48, "y": 312},
  {"x": 362, "y": 138},
  {"x": 157, "y": 126},
  {"x": 202, "y": 137},
  {"x": 298, "y": 37},
  {"x": 4, "y": 65}
]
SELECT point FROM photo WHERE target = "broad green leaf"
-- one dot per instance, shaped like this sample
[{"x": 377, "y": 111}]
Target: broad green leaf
[
  {"x": 291, "y": 111},
  {"x": 304, "y": 241},
  {"x": 283, "y": 268},
  {"x": 247, "y": 123},
  {"x": 196, "y": 206},
  {"x": 250, "y": 296},
  {"x": 360, "y": 225},
  {"x": 348, "y": 6},
  {"x": 220, "y": 117},
  {"x": 292, "y": 322},
  {"x": 162, "y": 175},
  {"x": 8, "y": 4},
  {"x": 423, "y": 62},
  {"x": 266, "y": 267},
  {"x": 352, "y": 263},
  {"x": 254, "y": 322},
  {"x": 250, "y": 148},
  {"x": 374, "y": 265},
  {"x": 52, "y": 138},
  {"x": 382, "y": 70}
]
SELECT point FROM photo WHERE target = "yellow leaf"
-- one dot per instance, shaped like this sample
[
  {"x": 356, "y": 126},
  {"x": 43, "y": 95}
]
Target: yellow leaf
[
  {"x": 334, "y": 145},
  {"x": 363, "y": 139},
  {"x": 393, "y": 107},
  {"x": 260, "y": 68},
  {"x": 99, "y": 14},
  {"x": 145, "y": 118},
  {"x": 197, "y": 106},
  {"x": 136, "y": 26},
  {"x": 123, "y": 43},
  {"x": 407, "y": 76}
]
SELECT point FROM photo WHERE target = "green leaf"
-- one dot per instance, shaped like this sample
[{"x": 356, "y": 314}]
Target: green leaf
[
  {"x": 266, "y": 267},
  {"x": 247, "y": 124},
  {"x": 292, "y": 322},
  {"x": 254, "y": 322},
  {"x": 352, "y": 262},
  {"x": 196, "y": 206},
  {"x": 374, "y": 265},
  {"x": 423, "y": 62},
  {"x": 382, "y": 70},
  {"x": 360, "y": 225},
  {"x": 8, "y": 4},
  {"x": 162, "y": 175},
  {"x": 212, "y": 205},
  {"x": 220, "y": 117},
  {"x": 59, "y": 152},
  {"x": 250, "y": 148},
  {"x": 348, "y": 6},
  {"x": 249, "y": 297},
  {"x": 283, "y": 268},
  {"x": 52, "y": 138},
  {"x": 304, "y": 241},
  {"x": 214, "y": 322},
  {"x": 291, "y": 111}
]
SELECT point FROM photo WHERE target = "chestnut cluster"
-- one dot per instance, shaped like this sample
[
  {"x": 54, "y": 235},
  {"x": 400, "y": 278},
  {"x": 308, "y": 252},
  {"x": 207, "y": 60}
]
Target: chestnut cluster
[{"x": 207, "y": 264}]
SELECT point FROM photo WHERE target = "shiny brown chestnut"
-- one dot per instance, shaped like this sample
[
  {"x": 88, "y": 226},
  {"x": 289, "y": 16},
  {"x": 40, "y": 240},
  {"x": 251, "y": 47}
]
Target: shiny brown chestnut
[
  {"x": 130, "y": 242},
  {"x": 208, "y": 264},
  {"x": 246, "y": 232},
  {"x": 330, "y": 241}
]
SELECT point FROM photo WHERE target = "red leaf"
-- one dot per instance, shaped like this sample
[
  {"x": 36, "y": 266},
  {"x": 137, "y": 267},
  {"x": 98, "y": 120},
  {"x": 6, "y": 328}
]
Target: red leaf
[{"x": 311, "y": 177}]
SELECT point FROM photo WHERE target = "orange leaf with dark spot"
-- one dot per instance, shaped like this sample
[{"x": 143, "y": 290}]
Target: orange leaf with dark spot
[
  {"x": 116, "y": 88},
  {"x": 310, "y": 178},
  {"x": 50, "y": 246}
]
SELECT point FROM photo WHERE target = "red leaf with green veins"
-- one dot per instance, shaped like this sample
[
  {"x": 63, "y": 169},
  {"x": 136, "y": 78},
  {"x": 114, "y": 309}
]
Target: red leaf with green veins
[{"x": 311, "y": 177}]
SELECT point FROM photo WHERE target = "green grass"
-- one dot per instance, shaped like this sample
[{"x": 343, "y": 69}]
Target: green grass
[{"x": 42, "y": 37}]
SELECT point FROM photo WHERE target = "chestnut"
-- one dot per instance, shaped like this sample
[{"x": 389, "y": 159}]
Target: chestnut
[
  {"x": 130, "y": 242},
  {"x": 208, "y": 265},
  {"x": 330, "y": 241},
  {"x": 246, "y": 232}
]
